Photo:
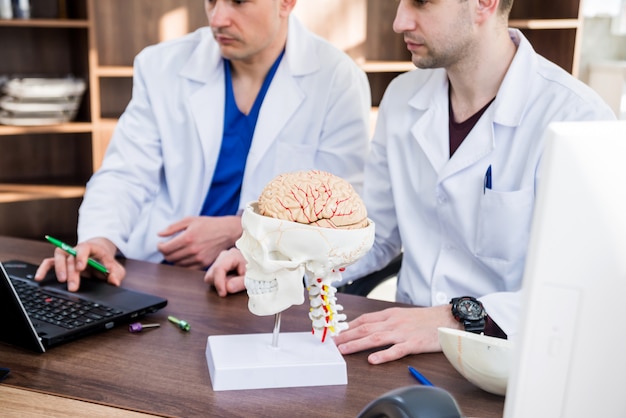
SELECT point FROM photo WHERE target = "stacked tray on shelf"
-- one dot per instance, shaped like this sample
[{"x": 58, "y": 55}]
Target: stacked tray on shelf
[{"x": 40, "y": 101}]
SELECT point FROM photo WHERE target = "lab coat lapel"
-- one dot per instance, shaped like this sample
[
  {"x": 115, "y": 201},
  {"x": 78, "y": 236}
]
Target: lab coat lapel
[
  {"x": 432, "y": 133},
  {"x": 206, "y": 100},
  {"x": 430, "y": 130},
  {"x": 477, "y": 145},
  {"x": 281, "y": 101},
  {"x": 284, "y": 95}
]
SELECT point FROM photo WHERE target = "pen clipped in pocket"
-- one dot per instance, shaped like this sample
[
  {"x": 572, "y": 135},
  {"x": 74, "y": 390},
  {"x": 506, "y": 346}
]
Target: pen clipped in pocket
[{"x": 487, "y": 180}]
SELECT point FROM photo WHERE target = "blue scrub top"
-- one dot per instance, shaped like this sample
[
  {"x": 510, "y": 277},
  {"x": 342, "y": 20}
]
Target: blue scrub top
[{"x": 224, "y": 192}]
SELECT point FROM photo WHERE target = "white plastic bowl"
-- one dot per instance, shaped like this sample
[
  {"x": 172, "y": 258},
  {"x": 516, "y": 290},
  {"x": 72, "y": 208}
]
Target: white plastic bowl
[
  {"x": 40, "y": 88},
  {"x": 484, "y": 361}
]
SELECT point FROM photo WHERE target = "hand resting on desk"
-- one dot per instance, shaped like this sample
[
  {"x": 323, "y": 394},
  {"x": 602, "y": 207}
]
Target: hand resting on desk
[
  {"x": 405, "y": 330},
  {"x": 196, "y": 241},
  {"x": 227, "y": 273}
]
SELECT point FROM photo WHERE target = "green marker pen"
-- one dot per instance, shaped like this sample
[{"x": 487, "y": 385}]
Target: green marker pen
[{"x": 68, "y": 249}]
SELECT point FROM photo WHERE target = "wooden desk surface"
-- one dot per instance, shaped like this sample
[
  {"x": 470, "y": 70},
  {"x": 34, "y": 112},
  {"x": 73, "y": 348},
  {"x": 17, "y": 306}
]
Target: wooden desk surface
[
  {"x": 15, "y": 402},
  {"x": 164, "y": 371}
]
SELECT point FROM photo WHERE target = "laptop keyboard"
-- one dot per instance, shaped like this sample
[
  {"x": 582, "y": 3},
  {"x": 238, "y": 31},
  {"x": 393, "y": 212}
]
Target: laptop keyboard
[{"x": 68, "y": 312}]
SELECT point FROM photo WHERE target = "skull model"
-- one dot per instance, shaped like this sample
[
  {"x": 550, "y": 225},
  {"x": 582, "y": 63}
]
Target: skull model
[{"x": 280, "y": 254}]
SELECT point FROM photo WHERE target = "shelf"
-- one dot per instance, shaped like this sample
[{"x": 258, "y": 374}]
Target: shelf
[
  {"x": 27, "y": 192},
  {"x": 44, "y": 23},
  {"x": 367, "y": 66},
  {"x": 387, "y": 66},
  {"x": 72, "y": 127},
  {"x": 544, "y": 23},
  {"x": 114, "y": 71},
  {"x": 373, "y": 119},
  {"x": 108, "y": 122}
]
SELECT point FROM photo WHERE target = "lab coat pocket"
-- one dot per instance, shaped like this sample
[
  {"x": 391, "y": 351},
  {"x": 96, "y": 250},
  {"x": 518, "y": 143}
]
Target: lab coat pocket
[
  {"x": 294, "y": 157},
  {"x": 504, "y": 225}
]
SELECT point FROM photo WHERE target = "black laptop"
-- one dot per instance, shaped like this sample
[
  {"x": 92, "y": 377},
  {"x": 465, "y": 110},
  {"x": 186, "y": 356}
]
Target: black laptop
[{"x": 40, "y": 315}]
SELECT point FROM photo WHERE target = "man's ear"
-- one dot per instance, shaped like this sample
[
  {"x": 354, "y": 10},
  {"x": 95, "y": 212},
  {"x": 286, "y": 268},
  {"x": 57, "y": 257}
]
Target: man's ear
[
  {"x": 485, "y": 9},
  {"x": 286, "y": 6}
]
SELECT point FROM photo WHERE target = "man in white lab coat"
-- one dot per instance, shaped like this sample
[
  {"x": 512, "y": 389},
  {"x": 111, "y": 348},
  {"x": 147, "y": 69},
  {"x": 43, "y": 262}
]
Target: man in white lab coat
[
  {"x": 214, "y": 116},
  {"x": 451, "y": 175},
  {"x": 461, "y": 200}
]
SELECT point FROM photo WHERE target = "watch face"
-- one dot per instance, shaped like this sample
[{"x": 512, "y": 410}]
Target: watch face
[{"x": 470, "y": 309}]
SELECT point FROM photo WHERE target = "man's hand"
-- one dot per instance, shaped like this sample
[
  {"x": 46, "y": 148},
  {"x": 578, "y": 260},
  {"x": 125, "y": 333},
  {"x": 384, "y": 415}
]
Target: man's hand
[
  {"x": 405, "y": 330},
  {"x": 199, "y": 239},
  {"x": 69, "y": 268},
  {"x": 227, "y": 273}
]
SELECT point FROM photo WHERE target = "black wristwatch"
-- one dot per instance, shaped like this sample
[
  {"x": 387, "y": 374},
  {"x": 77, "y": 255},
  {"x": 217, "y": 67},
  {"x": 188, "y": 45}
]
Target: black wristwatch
[{"x": 470, "y": 312}]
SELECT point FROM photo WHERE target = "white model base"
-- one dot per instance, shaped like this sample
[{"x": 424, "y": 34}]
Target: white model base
[{"x": 250, "y": 362}]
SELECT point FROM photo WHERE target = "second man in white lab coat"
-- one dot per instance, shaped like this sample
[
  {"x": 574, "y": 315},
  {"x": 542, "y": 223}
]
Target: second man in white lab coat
[{"x": 214, "y": 116}]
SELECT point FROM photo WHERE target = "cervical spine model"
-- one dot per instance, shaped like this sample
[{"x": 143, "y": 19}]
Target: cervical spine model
[
  {"x": 324, "y": 312},
  {"x": 305, "y": 224}
]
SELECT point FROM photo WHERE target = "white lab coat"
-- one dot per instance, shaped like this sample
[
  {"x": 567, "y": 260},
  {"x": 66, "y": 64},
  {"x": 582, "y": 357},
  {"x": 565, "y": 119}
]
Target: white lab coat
[
  {"x": 458, "y": 237},
  {"x": 161, "y": 159}
]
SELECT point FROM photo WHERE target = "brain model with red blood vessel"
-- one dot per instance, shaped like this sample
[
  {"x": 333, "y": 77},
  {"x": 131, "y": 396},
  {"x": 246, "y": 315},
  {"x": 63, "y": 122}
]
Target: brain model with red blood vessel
[{"x": 313, "y": 197}]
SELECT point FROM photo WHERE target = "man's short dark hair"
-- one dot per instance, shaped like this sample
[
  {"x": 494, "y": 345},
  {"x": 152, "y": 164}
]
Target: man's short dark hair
[{"x": 505, "y": 6}]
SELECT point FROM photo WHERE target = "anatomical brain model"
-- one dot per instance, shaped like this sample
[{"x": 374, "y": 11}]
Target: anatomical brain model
[{"x": 306, "y": 225}]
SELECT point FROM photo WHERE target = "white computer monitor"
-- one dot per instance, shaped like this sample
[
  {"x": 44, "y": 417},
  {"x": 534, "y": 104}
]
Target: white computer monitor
[{"x": 571, "y": 350}]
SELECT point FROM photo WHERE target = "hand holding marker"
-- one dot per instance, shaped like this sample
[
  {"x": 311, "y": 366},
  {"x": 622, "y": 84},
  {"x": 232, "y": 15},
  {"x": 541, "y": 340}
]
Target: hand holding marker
[{"x": 68, "y": 249}]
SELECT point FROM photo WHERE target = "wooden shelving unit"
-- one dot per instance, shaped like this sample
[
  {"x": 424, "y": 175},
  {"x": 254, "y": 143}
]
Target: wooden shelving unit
[
  {"x": 122, "y": 28},
  {"x": 43, "y": 169},
  {"x": 553, "y": 28}
]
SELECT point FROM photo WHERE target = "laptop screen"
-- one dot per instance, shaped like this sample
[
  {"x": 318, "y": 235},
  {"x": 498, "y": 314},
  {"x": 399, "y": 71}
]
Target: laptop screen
[{"x": 15, "y": 328}]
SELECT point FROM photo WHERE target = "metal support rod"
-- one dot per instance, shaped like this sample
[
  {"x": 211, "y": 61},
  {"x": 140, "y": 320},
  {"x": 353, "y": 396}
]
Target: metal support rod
[{"x": 276, "y": 330}]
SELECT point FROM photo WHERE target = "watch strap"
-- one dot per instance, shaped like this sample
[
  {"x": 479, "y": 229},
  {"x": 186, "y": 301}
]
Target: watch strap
[{"x": 475, "y": 326}]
